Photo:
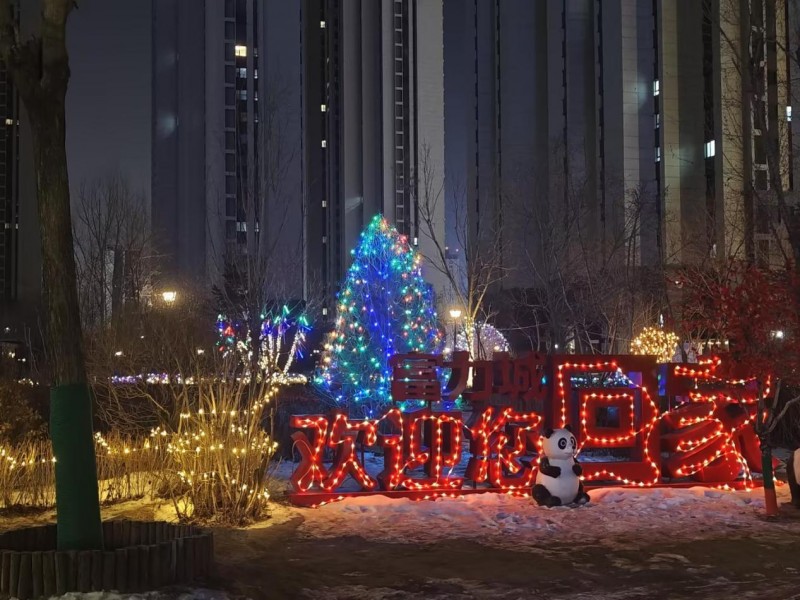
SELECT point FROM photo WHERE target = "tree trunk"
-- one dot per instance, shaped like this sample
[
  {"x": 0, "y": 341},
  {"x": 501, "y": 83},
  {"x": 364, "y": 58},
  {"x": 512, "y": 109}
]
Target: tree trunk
[{"x": 77, "y": 501}]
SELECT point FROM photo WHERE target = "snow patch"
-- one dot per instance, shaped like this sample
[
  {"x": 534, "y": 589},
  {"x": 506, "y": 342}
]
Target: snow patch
[{"x": 615, "y": 516}]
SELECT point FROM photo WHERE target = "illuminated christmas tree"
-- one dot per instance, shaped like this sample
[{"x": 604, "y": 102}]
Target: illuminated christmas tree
[{"x": 384, "y": 307}]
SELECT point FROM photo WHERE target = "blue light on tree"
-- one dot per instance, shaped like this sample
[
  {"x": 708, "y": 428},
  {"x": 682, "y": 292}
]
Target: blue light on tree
[{"x": 384, "y": 307}]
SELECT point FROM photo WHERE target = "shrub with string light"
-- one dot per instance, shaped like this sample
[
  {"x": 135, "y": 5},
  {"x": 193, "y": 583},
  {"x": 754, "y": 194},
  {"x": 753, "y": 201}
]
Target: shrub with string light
[
  {"x": 282, "y": 338},
  {"x": 654, "y": 341},
  {"x": 384, "y": 307}
]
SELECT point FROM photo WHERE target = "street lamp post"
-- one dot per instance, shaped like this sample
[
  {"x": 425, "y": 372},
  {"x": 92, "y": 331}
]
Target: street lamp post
[{"x": 455, "y": 314}]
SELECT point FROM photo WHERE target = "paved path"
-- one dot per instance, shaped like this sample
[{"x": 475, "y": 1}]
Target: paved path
[{"x": 276, "y": 562}]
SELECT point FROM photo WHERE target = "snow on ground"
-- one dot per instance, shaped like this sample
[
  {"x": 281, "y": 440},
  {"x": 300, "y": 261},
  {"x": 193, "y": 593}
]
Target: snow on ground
[{"x": 615, "y": 517}]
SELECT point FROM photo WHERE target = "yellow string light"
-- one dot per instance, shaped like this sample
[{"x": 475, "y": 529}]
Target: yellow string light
[{"x": 653, "y": 341}]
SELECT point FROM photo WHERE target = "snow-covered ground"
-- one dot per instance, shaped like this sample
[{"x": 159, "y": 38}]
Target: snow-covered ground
[{"x": 615, "y": 516}]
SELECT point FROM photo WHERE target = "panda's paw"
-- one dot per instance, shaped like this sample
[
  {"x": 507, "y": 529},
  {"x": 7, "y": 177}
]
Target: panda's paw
[
  {"x": 582, "y": 499},
  {"x": 552, "y": 502}
]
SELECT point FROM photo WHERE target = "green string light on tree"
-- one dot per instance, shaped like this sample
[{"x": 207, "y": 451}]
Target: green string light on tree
[{"x": 384, "y": 307}]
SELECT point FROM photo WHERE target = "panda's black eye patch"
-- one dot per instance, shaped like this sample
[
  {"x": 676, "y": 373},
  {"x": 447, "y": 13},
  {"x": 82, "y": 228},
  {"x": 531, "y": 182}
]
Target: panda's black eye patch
[
  {"x": 562, "y": 443},
  {"x": 573, "y": 442}
]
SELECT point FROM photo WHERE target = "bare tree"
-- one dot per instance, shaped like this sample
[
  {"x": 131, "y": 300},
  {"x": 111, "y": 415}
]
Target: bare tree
[
  {"x": 260, "y": 281},
  {"x": 39, "y": 66},
  {"x": 471, "y": 269},
  {"x": 113, "y": 250},
  {"x": 762, "y": 216},
  {"x": 586, "y": 279}
]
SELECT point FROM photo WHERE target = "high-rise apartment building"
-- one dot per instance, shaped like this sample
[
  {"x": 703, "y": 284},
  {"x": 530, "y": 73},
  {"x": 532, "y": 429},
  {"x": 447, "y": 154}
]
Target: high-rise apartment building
[
  {"x": 373, "y": 93},
  {"x": 227, "y": 137},
  {"x": 648, "y": 121},
  {"x": 20, "y": 252},
  {"x": 298, "y": 119},
  {"x": 9, "y": 192}
]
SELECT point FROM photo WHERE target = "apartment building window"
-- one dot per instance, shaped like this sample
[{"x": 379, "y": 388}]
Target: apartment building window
[
  {"x": 789, "y": 113},
  {"x": 241, "y": 73},
  {"x": 709, "y": 149},
  {"x": 658, "y": 154},
  {"x": 241, "y": 51},
  {"x": 656, "y": 87},
  {"x": 241, "y": 94}
]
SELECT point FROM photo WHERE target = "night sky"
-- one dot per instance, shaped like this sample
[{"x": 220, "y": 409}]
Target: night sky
[{"x": 108, "y": 104}]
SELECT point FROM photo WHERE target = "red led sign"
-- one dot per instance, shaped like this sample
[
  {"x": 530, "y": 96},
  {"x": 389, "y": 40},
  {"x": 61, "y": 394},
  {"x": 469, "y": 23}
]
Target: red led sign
[{"x": 706, "y": 431}]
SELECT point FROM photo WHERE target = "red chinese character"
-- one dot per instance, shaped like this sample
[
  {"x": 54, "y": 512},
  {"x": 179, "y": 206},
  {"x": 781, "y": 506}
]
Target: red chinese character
[
  {"x": 343, "y": 439},
  {"x": 392, "y": 443},
  {"x": 310, "y": 470},
  {"x": 431, "y": 440},
  {"x": 492, "y": 456},
  {"x": 414, "y": 377}
]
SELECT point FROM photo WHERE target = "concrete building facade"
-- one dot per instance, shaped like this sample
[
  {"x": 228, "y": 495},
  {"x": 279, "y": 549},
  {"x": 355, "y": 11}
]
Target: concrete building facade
[
  {"x": 627, "y": 115},
  {"x": 20, "y": 250},
  {"x": 301, "y": 119}
]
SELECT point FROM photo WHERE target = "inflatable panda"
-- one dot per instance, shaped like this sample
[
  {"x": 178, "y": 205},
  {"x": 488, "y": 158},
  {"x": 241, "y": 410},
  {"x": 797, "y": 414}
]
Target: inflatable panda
[
  {"x": 558, "y": 481},
  {"x": 793, "y": 476}
]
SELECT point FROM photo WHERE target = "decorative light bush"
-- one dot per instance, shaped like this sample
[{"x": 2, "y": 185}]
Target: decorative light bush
[{"x": 218, "y": 456}]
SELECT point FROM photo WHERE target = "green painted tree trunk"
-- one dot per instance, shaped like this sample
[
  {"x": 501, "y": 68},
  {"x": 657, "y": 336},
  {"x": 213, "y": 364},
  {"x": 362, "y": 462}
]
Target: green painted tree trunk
[{"x": 39, "y": 66}]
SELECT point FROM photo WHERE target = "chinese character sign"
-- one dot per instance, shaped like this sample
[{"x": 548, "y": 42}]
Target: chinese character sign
[{"x": 420, "y": 448}]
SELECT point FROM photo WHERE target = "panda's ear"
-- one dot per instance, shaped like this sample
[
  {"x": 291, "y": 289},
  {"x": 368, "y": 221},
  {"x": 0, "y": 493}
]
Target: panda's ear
[
  {"x": 568, "y": 428},
  {"x": 548, "y": 432}
]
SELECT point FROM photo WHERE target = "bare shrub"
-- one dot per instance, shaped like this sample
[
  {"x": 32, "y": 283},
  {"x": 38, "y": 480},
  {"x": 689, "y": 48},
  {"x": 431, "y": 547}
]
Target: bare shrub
[{"x": 220, "y": 452}]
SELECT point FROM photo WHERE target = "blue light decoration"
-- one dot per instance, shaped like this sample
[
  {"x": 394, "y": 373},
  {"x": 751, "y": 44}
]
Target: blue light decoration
[
  {"x": 384, "y": 307},
  {"x": 278, "y": 325}
]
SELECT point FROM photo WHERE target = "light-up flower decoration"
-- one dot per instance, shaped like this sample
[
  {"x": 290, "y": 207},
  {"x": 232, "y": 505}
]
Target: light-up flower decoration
[{"x": 654, "y": 341}]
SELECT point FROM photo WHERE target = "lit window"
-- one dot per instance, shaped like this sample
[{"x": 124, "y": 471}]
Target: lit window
[
  {"x": 324, "y": 204},
  {"x": 324, "y": 143},
  {"x": 323, "y": 108},
  {"x": 9, "y": 122},
  {"x": 241, "y": 72},
  {"x": 658, "y": 120},
  {"x": 322, "y": 24},
  {"x": 241, "y": 50},
  {"x": 416, "y": 242},
  {"x": 709, "y": 149},
  {"x": 241, "y": 226},
  {"x": 242, "y": 94},
  {"x": 658, "y": 154},
  {"x": 656, "y": 88},
  {"x": 324, "y": 239},
  {"x": 324, "y": 311},
  {"x": 788, "y": 113},
  {"x": 255, "y": 73}
]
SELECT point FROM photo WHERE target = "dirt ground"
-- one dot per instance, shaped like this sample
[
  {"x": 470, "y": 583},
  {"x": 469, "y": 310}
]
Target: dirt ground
[{"x": 276, "y": 562}]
